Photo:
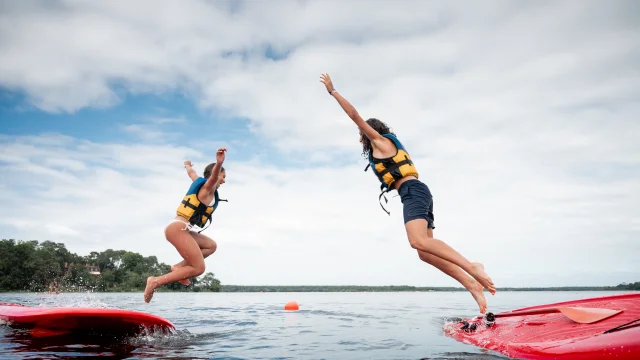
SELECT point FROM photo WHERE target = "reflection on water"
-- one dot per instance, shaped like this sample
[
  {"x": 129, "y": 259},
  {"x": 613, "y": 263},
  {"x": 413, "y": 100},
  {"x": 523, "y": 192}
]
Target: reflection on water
[
  {"x": 52, "y": 347},
  {"x": 146, "y": 345}
]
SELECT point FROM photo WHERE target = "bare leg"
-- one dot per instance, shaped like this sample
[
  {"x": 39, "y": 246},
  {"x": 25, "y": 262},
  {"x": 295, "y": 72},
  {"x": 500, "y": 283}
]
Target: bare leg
[
  {"x": 207, "y": 246},
  {"x": 184, "y": 282},
  {"x": 188, "y": 249},
  {"x": 420, "y": 240},
  {"x": 457, "y": 273}
]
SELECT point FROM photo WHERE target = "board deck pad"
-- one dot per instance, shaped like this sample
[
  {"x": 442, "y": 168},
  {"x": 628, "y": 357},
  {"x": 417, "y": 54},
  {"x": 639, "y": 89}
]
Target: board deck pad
[{"x": 554, "y": 336}]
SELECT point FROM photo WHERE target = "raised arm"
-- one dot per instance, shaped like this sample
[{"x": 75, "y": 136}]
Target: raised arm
[
  {"x": 192, "y": 173},
  {"x": 351, "y": 111},
  {"x": 215, "y": 172}
]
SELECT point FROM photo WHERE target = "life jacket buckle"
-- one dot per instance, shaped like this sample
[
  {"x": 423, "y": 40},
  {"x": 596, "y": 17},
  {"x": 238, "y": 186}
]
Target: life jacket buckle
[{"x": 382, "y": 187}]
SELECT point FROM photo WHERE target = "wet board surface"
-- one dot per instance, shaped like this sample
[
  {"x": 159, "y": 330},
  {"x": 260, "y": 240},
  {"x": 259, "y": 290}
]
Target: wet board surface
[
  {"x": 59, "y": 320},
  {"x": 554, "y": 336}
]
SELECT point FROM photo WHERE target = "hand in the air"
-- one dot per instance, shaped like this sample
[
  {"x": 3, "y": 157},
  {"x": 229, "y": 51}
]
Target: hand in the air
[
  {"x": 326, "y": 80},
  {"x": 220, "y": 155},
  {"x": 188, "y": 163}
]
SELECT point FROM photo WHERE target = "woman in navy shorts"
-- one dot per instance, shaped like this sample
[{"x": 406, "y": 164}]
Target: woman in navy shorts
[{"x": 392, "y": 165}]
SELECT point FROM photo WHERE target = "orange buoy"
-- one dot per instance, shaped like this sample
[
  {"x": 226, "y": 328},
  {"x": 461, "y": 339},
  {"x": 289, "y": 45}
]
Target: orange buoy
[{"x": 291, "y": 305}]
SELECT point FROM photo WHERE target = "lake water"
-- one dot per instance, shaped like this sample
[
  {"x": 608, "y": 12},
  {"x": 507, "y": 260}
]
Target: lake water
[{"x": 403, "y": 325}]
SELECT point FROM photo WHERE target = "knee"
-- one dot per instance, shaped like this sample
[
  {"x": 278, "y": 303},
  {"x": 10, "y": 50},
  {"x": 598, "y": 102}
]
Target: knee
[
  {"x": 210, "y": 249},
  {"x": 213, "y": 246},
  {"x": 198, "y": 269},
  {"x": 419, "y": 242}
]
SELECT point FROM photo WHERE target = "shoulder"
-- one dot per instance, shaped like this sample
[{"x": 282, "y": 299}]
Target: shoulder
[
  {"x": 394, "y": 140},
  {"x": 390, "y": 137},
  {"x": 197, "y": 183}
]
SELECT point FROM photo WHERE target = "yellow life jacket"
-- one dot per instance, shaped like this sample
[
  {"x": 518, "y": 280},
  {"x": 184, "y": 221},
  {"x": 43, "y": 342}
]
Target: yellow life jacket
[
  {"x": 194, "y": 210},
  {"x": 391, "y": 169}
]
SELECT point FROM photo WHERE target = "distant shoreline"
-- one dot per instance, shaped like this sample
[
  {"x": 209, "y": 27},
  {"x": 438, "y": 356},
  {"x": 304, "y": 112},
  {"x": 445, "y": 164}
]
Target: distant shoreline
[
  {"x": 397, "y": 288},
  {"x": 351, "y": 289}
]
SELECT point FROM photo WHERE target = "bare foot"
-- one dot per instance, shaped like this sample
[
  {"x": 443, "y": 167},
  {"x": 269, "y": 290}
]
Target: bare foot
[
  {"x": 184, "y": 282},
  {"x": 477, "y": 292},
  {"x": 481, "y": 276},
  {"x": 152, "y": 284}
]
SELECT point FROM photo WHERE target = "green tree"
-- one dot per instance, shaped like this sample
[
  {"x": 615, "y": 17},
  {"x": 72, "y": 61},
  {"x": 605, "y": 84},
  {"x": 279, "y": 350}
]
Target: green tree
[
  {"x": 30, "y": 265},
  {"x": 209, "y": 283},
  {"x": 16, "y": 265}
]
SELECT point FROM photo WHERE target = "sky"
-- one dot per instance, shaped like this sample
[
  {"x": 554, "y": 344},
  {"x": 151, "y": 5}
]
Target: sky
[{"x": 518, "y": 115}]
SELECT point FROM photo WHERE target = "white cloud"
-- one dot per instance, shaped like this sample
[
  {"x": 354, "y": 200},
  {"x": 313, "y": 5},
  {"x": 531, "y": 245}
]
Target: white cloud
[
  {"x": 152, "y": 129},
  {"x": 522, "y": 120},
  {"x": 160, "y": 120},
  {"x": 144, "y": 132},
  {"x": 61, "y": 230},
  {"x": 322, "y": 225}
]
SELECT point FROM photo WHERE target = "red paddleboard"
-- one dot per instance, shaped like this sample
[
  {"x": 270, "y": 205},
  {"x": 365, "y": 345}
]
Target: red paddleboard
[
  {"x": 546, "y": 333},
  {"x": 64, "y": 320}
]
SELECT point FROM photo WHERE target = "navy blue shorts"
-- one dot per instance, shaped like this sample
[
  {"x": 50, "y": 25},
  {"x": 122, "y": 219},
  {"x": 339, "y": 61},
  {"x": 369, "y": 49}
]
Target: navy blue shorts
[{"x": 417, "y": 202}]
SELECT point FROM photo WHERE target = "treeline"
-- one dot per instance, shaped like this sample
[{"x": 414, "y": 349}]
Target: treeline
[
  {"x": 34, "y": 266},
  {"x": 630, "y": 286}
]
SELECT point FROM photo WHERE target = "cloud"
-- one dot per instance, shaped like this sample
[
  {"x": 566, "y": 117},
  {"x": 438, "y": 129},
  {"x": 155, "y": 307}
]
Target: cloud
[
  {"x": 56, "y": 229},
  {"x": 323, "y": 224},
  {"x": 521, "y": 118},
  {"x": 473, "y": 70},
  {"x": 166, "y": 120},
  {"x": 155, "y": 128},
  {"x": 144, "y": 132}
]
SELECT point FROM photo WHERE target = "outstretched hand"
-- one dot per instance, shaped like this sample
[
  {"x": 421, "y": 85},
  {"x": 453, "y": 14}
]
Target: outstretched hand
[
  {"x": 326, "y": 80},
  {"x": 188, "y": 163},
  {"x": 220, "y": 155}
]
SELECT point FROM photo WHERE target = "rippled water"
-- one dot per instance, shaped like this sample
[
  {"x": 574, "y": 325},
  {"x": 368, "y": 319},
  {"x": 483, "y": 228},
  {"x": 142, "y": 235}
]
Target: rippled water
[{"x": 255, "y": 326}]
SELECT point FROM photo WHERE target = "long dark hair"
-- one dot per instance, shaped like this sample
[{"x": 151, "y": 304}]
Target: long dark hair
[{"x": 378, "y": 126}]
